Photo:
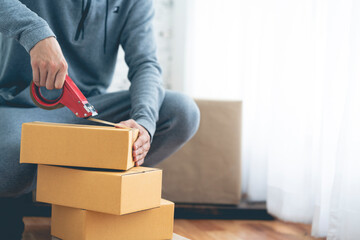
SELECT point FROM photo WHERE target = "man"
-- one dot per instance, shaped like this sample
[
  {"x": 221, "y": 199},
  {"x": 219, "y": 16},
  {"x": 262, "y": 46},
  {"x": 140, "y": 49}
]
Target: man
[{"x": 43, "y": 41}]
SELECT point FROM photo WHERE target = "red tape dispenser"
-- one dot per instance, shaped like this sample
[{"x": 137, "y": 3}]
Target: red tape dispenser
[{"x": 70, "y": 97}]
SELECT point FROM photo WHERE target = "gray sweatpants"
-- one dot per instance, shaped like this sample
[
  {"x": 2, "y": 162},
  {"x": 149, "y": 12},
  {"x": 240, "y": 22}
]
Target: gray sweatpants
[{"x": 178, "y": 121}]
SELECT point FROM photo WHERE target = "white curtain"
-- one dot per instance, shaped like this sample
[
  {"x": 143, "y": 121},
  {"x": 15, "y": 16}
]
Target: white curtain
[{"x": 296, "y": 66}]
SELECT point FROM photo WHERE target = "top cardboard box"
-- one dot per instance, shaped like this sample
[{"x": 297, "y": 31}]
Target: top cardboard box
[{"x": 77, "y": 145}]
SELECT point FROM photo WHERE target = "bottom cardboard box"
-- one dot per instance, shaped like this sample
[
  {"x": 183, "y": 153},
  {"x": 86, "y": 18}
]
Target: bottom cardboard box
[{"x": 78, "y": 224}]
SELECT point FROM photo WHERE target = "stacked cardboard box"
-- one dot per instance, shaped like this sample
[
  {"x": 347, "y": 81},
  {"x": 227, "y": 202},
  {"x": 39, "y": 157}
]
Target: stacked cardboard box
[{"x": 87, "y": 174}]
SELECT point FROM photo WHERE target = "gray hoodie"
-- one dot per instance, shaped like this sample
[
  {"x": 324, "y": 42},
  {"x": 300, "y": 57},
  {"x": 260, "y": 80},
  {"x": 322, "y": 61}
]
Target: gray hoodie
[{"x": 89, "y": 33}]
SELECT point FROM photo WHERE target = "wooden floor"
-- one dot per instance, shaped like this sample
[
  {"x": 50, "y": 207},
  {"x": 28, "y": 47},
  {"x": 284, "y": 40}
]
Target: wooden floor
[
  {"x": 240, "y": 229},
  {"x": 39, "y": 229}
]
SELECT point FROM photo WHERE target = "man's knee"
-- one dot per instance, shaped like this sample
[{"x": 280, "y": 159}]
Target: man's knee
[
  {"x": 184, "y": 114},
  {"x": 17, "y": 180}
]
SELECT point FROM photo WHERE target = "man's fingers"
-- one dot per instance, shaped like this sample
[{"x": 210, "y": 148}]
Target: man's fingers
[
  {"x": 36, "y": 75},
  {"x": 144, "y": 148},
  {"x": 142, "y": 144},
  {"x": 138, "y": 163},
  {"x": 50, "y": 79},
  {"x": 60, "y": 79},
  {"x": 141, "y": 141},
  {"x": 139, "y": 157},
  {"x": 147, "y": 146},
  {"x": 139, "y": 151},
  {"x": 138, "y": 143},
  {"x": 138, "y": 154},
  {"x": 47, "y": 61},
  {"x": 43, "y": 73},
  {"x": 129, "y": 123}
]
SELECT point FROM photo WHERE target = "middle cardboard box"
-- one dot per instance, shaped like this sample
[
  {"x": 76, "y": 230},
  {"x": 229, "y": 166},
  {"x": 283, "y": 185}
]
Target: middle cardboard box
[{"x": 106, "y": 191}]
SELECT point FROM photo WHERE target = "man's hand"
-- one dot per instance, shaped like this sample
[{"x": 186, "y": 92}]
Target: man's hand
[
  {"x": 48, "y": 64},
  {"x": 142, "y": 144}
]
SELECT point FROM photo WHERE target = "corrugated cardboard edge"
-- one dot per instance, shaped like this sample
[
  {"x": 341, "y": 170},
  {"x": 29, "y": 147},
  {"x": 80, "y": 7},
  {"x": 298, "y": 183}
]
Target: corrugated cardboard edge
[
  {"x": 170, "y": 205},
  {"x": 143, "y": 170},
  {"x": 73, "y": 222},
  {"x": 147, "y": 171},
  {"x": 134, "y": 134},
  {"x": 23, "y": 127}
]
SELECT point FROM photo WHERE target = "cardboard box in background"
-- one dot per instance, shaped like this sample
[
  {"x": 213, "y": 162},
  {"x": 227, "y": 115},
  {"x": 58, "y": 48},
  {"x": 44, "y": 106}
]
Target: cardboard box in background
[
  {"x": 77, "y": 224},
  {"x": 77, "y": 145},
  {"x": 207, "y": 169},
  {"x": 114, "y": 192}
]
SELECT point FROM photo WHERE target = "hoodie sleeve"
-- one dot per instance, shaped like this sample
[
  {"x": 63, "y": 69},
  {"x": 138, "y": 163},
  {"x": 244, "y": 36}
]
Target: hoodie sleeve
[
  {"x": 137, "y": 40},
  {"x": 19, "y": 22}
]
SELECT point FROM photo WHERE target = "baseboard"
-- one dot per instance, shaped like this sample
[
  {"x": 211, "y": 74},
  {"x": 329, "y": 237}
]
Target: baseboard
[{"x": 242, "y": 211}]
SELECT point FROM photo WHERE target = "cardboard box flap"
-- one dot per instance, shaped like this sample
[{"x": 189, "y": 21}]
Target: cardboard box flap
[
  {"x": 137, "y": 170},
  {"x": 132, "y": 171}
]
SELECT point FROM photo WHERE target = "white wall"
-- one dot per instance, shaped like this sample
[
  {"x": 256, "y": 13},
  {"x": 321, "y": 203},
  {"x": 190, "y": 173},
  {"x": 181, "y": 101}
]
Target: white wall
[{"x": 163, "y": 24}]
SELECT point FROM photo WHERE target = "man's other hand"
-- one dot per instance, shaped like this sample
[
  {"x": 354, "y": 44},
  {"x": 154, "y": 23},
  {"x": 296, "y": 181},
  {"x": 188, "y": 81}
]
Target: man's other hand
[
  {"x": 48, "y": 64},
  {"x": 142, "y": 144}
]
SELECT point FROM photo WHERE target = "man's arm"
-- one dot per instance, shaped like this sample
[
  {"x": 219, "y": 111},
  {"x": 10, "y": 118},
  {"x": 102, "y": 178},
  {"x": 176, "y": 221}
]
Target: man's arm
[
  {"x": 22, "y": 24},
  {"x": 146, "y": 91},
  {"x": 34, "y": 34}
]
